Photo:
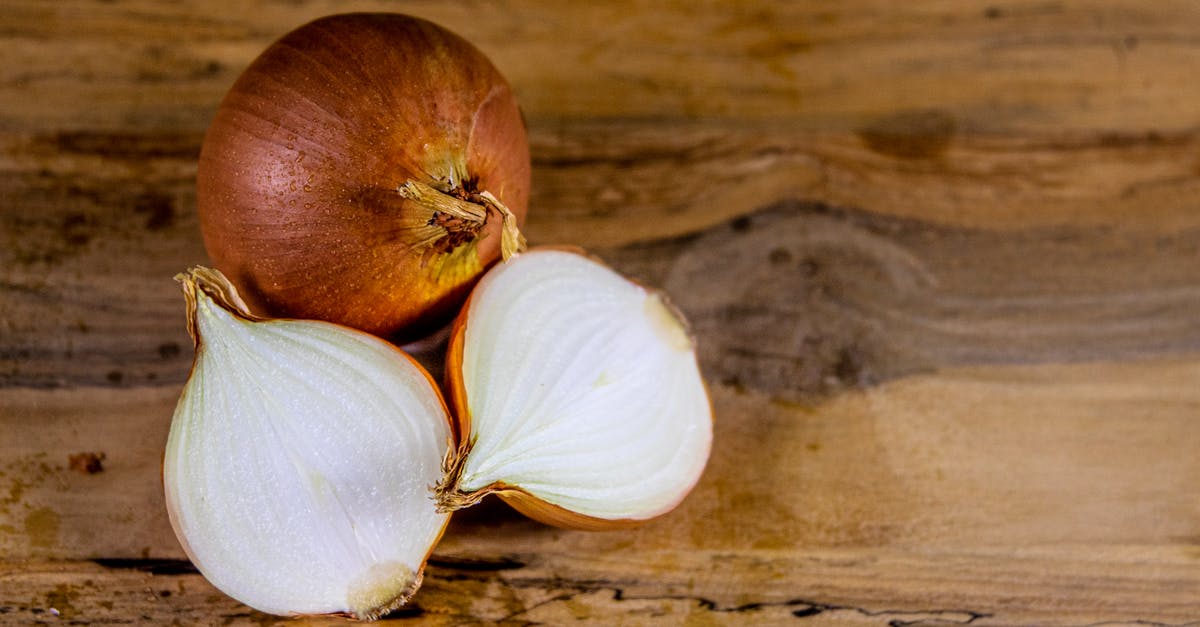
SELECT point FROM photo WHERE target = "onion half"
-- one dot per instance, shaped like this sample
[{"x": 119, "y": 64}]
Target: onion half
[
  {"x": 577, "y": 395},
  {"x": 298, "y": 465}
]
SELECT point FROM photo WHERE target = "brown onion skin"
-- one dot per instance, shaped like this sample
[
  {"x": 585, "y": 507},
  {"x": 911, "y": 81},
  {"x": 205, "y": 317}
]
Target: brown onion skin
[{"x": 297, "y": 179}]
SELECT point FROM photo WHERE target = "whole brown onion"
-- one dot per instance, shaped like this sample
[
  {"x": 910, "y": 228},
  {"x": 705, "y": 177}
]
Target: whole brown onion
[{"x": 359, "y": 172}]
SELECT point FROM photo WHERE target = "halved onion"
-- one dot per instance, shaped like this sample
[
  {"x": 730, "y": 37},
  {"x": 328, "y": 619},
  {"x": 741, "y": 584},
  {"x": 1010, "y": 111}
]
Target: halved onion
[
  {"x": 577, "y": 393},
  {"x": 299, "y": 461}
]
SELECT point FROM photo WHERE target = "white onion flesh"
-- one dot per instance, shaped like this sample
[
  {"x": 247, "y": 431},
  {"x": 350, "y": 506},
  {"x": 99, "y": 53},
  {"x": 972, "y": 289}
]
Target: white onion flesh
[
  {"x": 583, "y": 389},
  {"x": 298, "y": 465}
]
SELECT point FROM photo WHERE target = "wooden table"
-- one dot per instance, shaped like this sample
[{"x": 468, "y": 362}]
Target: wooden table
[{"x": 943, "y": 259}]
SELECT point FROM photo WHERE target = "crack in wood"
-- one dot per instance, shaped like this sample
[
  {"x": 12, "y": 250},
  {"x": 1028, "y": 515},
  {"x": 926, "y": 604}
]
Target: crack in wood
[
  {"x": 804, "y": 608},
  {"x": 1149, "y": 623},
  {"x": 134, "y": 146},
  {"x": 570, "y": 594},
  {"x": 475, "y": 565},
  {"x": 814, "y": 608},
  {"x": 154, "y": 566}
]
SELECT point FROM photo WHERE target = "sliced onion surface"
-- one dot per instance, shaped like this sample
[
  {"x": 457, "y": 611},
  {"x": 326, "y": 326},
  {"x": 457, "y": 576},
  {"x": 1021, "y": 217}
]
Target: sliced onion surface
[
  {"x": 299, "y": 460},
  {"x": 581, "y": 390}
]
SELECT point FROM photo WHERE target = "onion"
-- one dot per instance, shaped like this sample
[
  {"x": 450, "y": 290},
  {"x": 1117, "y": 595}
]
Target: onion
[
  {"x": 364, "y": 170},
  {"x": 299, "y": 461},
  {"x": 577, "y": 396}
]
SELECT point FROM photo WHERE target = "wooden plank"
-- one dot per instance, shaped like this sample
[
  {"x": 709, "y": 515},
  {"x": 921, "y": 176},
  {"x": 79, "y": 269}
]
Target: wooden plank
[
  {"x": 1016, "y": 455},
  {"x": 606, "y": 183},
  {"x": 1047, "y": 586},
  {"x": 1020, "y": 66},
  {"x": 1006, "y": 115},
  {"x": 114, "y": 176},
  {"x": 865, "y": 297}
]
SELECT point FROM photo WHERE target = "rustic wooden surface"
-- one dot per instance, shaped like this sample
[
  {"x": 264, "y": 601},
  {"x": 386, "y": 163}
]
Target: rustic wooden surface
[{"x": 943, "y": 260}]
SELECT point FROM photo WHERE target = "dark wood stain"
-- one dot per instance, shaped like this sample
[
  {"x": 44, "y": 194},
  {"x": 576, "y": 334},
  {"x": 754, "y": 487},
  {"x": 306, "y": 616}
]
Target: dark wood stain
[
  {"x": 127, "y": 145},
  {"x": 911, "y": 134},
  {"x": 88, "y": 463},
  {"x": 158, "y": 208}
]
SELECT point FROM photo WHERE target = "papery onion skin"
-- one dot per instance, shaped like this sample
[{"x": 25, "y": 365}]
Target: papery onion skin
[
  {"x": 450, "y": 498},
  {"x": 298, "y": 175}
]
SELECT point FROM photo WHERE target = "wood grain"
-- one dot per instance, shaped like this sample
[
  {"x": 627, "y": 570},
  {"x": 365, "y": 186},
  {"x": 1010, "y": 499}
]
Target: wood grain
[
  {"x": 1045, "y": 586},
  {"x": 940, "y": 258},
  {"x": 1066, "y": 471},
  {"x": 972, "y": 456}
]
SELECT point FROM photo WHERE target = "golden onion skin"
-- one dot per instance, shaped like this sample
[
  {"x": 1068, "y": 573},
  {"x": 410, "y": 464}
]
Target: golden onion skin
[{"x": 298, "y": 174}]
